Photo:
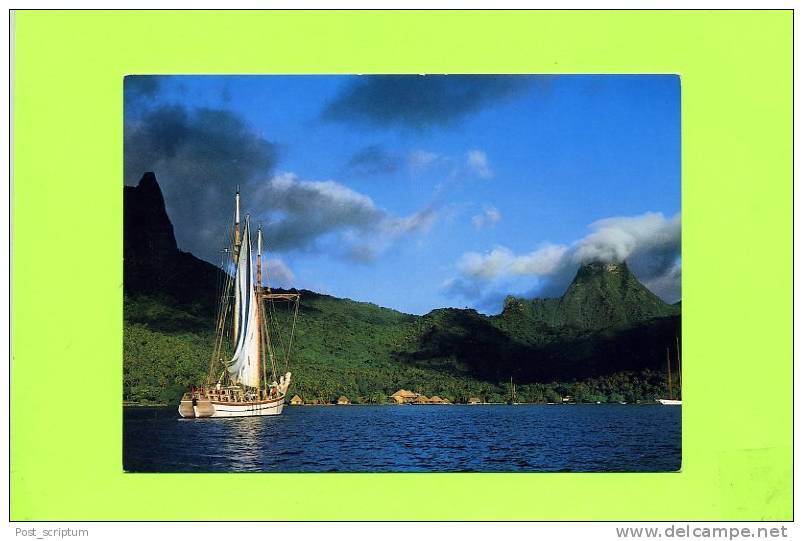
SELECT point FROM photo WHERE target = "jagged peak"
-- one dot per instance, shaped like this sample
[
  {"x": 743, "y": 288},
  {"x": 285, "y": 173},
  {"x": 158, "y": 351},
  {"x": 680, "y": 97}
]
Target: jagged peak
[
  {"x": 148, "y": 180},
  {"x": 149, "y": 187}
]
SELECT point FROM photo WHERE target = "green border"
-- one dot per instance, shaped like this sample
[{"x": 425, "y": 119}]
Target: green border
[{"x": 736, "y": 77}]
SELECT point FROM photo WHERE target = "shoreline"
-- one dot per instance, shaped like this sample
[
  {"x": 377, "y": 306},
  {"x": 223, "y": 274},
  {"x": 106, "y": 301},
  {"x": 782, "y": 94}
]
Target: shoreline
[{"x": 166, "y": 405}]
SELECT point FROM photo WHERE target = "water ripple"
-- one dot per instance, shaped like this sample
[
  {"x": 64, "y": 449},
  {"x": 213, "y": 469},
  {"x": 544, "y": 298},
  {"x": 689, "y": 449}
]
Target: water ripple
[{"x": 405, "y": 439}]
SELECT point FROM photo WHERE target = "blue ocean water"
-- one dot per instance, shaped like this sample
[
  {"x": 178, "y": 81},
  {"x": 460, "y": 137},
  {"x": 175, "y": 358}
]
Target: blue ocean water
[{"x": 482, "y": 438}]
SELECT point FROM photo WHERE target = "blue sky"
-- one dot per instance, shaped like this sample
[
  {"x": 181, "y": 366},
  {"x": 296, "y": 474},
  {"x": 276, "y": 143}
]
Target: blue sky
[{"x": 419, "y": 192}]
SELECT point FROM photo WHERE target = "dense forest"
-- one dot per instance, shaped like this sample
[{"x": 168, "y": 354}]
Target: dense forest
[
  {"x": 604, "y": 340},
  {"x": 367, "y": 353}
]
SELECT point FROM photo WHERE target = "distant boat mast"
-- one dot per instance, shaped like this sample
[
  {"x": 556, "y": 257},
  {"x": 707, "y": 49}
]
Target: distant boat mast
[
  {"x": 669, "y": 374},
  {"x": 680, "y": 372}
]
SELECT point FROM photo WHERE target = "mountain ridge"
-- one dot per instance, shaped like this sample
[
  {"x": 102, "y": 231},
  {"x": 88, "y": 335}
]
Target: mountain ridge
[{"x": 597, "y": 334}]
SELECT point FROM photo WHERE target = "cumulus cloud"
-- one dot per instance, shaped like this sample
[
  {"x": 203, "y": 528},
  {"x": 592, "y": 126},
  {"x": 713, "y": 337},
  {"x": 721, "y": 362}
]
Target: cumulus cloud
[
  {"x": 650, "y": 243},
  {"x": 420, "y": 101},
  {"x": 616, "y": 239},
  {"x": 502, "y": 262},
  {"x": 302, "y": 213},
  {"x": 303, "y": 210},
  {"x": 200, "y": 156},
  {"x": 488, "y": 217},
  {"x": 477, "y": 163}
]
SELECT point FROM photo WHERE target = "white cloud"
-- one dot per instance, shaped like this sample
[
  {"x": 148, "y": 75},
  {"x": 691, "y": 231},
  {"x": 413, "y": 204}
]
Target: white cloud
[
  {"x": 502, "y": 262},
  {"x": 489, "y": 216},
  {"x": 544, "y": 261},
  {"x": 649, "y": 242},
  {"x": 304, "y": 213},
  {"x": 616, "y": 239},
  {"x": 477, "y": 162}
]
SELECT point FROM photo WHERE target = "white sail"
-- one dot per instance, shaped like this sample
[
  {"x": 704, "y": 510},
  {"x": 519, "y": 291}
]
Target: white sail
[
  {"x": 244, "y": 365},
  {"x": 245, "y": 369}
]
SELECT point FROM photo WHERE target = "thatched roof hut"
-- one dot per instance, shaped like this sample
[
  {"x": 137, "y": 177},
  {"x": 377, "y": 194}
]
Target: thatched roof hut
[
  {"x": 403, "y": 396},
  {"x": 438, "y": 400},
  {"x": 343, "y": 401},
  {"x": 296, "y": 400},
  {"x": 474, "y": 400}
]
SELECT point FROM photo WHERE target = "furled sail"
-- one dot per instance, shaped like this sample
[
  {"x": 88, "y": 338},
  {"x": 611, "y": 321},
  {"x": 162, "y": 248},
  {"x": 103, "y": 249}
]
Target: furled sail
[{"x": 244, "y": 365}]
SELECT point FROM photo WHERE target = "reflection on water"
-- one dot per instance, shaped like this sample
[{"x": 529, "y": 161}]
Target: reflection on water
[
  {"x": 243, "y": 438},
  {"x": 408, "y": 438}
]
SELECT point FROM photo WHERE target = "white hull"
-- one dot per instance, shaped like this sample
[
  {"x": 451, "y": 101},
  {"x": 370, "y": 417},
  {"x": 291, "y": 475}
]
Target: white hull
[
  {"x": 232, "y": 410},
  {"x": 666, "y": 402},
  {"x": 206, "y": 408}
]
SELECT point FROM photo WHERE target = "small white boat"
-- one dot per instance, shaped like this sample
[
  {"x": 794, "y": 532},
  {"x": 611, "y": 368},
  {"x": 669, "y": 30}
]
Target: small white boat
[{"x": 667, "y": 402}]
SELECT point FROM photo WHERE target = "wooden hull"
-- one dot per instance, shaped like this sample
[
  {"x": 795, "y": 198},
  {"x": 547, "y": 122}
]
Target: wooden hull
[{"x": 202, "y": 408}]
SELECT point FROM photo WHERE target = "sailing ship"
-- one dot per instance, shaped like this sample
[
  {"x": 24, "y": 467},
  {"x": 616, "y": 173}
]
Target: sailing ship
[
  {"x": 672, "y": 401},
  {"x": 252, "y": 342}
]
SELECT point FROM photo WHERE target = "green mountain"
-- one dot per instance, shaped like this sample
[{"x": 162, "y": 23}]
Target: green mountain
[
  {"x": 604, "y": 339},
  {"x": 601, "y": 295},
  {"x": 596, "y": 328}
]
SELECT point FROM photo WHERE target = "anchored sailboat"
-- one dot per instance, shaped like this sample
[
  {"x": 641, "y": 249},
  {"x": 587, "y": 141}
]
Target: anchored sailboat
[
  {"x": 238, "y": 381},
  {"x": 512, "y": 400},
  {"x": 671, "y": 401}
]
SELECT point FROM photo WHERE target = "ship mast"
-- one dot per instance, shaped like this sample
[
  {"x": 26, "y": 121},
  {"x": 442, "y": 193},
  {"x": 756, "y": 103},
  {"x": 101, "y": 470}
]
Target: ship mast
[
  {"x": 264, "y": 326},
  {"x": 237, "y": 222},
  {"x": 236, "y": 253},
  {"x": 680, "y": 372},
  {"x": 258, "y": 288},
  {"x": 259, "y": 258}
]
